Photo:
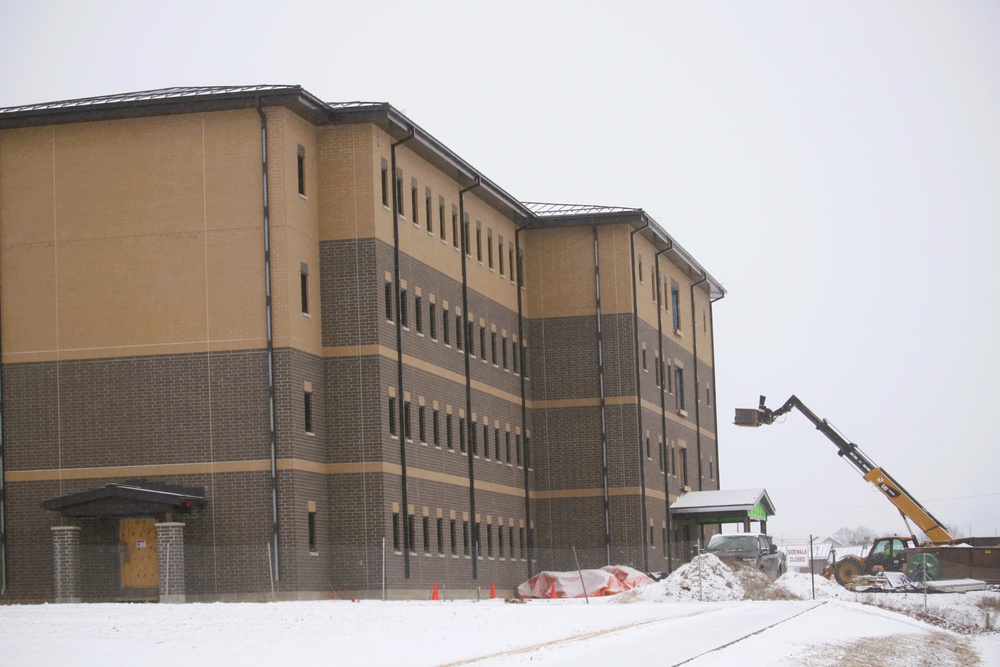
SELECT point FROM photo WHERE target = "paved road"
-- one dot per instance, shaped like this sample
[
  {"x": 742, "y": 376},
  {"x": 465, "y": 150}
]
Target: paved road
[{"x": 671, "y": 641}]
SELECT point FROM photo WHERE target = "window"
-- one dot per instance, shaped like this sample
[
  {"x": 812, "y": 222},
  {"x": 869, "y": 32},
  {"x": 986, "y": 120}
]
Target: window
[
  {"x": 427, "y": 534},
  {"x": 649, "y": 452},
  {"x": 510, "y": 257},
  {"x": 479, "y": 242},
  {"x": 304, "y": 287},
  {"x": 489, "y": 247},
  {"x": 500, "y": 541},
  {"x": 440, "y": 535},
  {"x": 465, "y": 235},
  {"x": 517, "y": 448},
  {"x": 454, "y": 227},
  {"x": 432, "y": 320},
  {"x": 708, "y": 396},
  {"x": 503, "y": 351},
  {"x": 482, "y": 342},
  {"x": 473, "y": 443},
  {"x": 307, "y": 399},
  {"x": 644, "y": 359},
  {"x": 388, "y": 301},
  {"x": 465, "y": 537},
  {"x": 496, "y": 442},
  {"x": 524, "y": 360},
  {"x": 520, "y": 542},
  {"x": 301, "y": 170},
  {"x": 500, "y": 253},
  {"x": 418, "y": 313},
  {"x": 385, "y": 184},
  {"x": 421, "y": 424},
  {"x": 311, "y": 524},
  {"x": 656, "y": 369},
  {"x": 461, "y": 434},
  {"x": 411, "y": 535},
  {"x": 395, "y": 532},
  {"x": 414, "y": 208},
  {"x": 510, "y": 541},
  {"x": 447, "y": 432},
  {"x": 486, "y": 440},
  {"x": 436, "y": 428},
  {"x": 641, "y": 280},
  {"x": 407, "y": 430},
  {"x": 403, "y": 318},
  {"x": 513, "y": 350},
  {"x": 520, "y": 268},
  {"x": 458, "y": 331},
  {"x": 441, "y": 218},
  {"x": 470, "y": 338},
  {"x": 507, "y": 445},
  {"x": 445, "y": 324},
  {"x": 392, "y": 416},
  {"x": 454, "y": 542},
  {"x": 399, "y": 191},
  {"x": 684, "y": 466},
  {"x": 675, "y": 303},
  {"x": 663, "y": 456},
  {"x": 489, "y": 540},
  {"x": 493, "y": 346},
  {"x": 428, "y": 206},
  {"x": 478, "y": 537},
  {"x": 679, "y": 378}
]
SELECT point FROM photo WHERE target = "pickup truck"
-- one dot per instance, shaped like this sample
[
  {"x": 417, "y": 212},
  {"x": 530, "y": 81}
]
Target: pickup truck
[{"x": 752, "y": 549}]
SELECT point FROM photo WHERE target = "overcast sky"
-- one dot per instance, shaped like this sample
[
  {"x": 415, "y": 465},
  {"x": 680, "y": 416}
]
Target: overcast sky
[{"x": 835, "y": 165}]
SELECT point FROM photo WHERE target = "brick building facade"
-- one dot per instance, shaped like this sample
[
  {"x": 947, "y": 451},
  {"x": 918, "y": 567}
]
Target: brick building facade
[{"x": 327, "y": 357}]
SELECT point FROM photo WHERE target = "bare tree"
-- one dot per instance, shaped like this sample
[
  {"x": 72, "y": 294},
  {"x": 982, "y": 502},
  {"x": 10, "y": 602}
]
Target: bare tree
[{"x": 855, "y": 536}]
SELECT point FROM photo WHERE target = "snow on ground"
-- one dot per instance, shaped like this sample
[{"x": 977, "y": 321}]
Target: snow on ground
[{"x": 702, "y": 615}]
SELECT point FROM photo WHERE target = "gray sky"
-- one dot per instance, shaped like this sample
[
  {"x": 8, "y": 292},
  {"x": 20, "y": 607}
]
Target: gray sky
[{"x": 836, "y": 165}]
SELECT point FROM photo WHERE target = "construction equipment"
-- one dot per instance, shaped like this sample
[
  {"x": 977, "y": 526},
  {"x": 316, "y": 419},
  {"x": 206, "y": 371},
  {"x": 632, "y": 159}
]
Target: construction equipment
[
  {"x": 907, "y": 505},
  {"x": 940, "y": 556}
]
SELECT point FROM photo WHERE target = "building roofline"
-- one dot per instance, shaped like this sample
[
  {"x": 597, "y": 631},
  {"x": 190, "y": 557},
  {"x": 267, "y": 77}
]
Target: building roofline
[{"x": 166, "y": 101}]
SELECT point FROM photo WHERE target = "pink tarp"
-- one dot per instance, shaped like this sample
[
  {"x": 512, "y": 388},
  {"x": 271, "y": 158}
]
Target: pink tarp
[{"x": 608, "y": 580}]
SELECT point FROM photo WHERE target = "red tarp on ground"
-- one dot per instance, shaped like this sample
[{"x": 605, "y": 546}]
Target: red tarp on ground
[{"x": 608, "y": 580}]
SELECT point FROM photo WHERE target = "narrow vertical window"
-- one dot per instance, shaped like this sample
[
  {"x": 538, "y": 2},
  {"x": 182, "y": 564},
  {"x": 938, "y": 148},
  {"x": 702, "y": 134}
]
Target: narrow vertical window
[
  {"x": 486, "y": 441},
  {"x": 461, "y": 434},
  {"x": 427, "y": 534},
  {"x": 307, "y": 400},
  {"x": 418, "y": 313},
  {"x": 493, "y": 346},
  {"x": 445, "y": 325},
  {"x": 454, "y": 227},
  {"x": 411, "y": 534},
  {"x": 500, "y": 540},
  {"x": 644, "y": 359},
  {"x": 414, "y": 208},
  {"x": 392, "y": 416},
  {"x": 473, "y": 442},
  {"x": 458, "y": 331},
  {"x": 403, "y": 318},
  {"x": 489, "y": 540},
  {"x": 432, "y": 320},
  {"x": 524, "y": 360},
  {"x": 465, "y": 235},
  {"x": 421, "y": 423},
  {"x": 311, "y": 519},
  {"x": 510, "y": 257},
  {"x": 454, "y": 541},
  {"x": 510, "y": 541},
  {"x": 448, "y": 432},
  {"x": 507, "y": 445},
  {"x": 680, "y": 388},
  {"x": 436, "y": 428},
  {"x": 304, "y": 287},
  {"x": 465, "y": 537},
  {"x": 441, "y": 231},
  {"x": 517, "y": 448},
  {"x": 385, "y": 184},
  {"x": 388, "y": 301},
  {"x": 399, "y": 191},
  {"x": 301, "y": 169},
  {"x": 489, "y": 247},
  {"x": 470, "y": 338},
  {"x": 496, "y": 442},
  {"x": 520, "y": 268},
  {"x": 407, "y": 430},
  {"x": 440, "y": 535},
  {"x": 479, "y": 242},
  {"x": 477, "y": 536},
  {"x": 513, "y": 350},
  {"x": 482, "y": 341},
  {"x": 428, "y": 207},
  {"x": 675, "y": 303},
  {"x": 503, "y": 350},
  {"x": 521, "y": 543},
  {"x": 395, "y": 532},
  {"x": 500, "y": 253},
  {"x": 684, "y": 466}
]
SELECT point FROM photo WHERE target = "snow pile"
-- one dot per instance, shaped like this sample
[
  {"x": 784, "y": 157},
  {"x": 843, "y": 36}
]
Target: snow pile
[
  {"x": 801, "y": 586},
  {"x": 705, "y": 578}
]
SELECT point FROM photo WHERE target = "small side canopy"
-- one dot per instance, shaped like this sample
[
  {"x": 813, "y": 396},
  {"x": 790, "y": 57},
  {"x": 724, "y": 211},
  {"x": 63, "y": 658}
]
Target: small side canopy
[
  {"x": 128, "y": 500},
  {"x": 730, "y": 506}
]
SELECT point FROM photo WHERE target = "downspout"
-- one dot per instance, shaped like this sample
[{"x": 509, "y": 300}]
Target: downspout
[
  {"x": 604, "y": 414},
  {"x": 524, "y": 409},
  {"x": 663, "y": 402},
  {"x": 638, "y": 401},
  {"x": 715, "y": 404},
  {"x": 404, "y": 423},
  {"x": 3, "y": 492},
  {"x": 270, "y": 341},
  {"x": 468, "y": 375},
  {"x": 697, "y": 387}
]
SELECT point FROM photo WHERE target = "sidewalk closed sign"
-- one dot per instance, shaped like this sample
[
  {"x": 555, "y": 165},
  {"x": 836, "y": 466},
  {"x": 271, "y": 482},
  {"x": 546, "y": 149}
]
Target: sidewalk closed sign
[{"x": 798, "y": 556}]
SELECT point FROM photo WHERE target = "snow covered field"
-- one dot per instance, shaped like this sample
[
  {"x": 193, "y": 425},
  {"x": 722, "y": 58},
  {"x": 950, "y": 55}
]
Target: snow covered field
[{"x": 697, "y": 617}]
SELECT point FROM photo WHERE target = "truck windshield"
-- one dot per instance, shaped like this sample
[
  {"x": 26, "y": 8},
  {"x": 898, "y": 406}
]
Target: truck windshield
[{"x": 733, "y": 543}]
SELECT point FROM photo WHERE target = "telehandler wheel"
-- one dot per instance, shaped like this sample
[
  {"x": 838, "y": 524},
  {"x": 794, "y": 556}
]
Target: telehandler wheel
[{"x": 846, "y": 569}]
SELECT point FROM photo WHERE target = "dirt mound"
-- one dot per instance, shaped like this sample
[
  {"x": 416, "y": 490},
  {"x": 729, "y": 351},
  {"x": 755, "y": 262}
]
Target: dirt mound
[{"x": 705, "y": 578}]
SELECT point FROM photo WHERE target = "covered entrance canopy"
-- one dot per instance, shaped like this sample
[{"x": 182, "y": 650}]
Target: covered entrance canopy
[
  {"x": 131, "y": 499},
  {"x": 711, "y": 507}
]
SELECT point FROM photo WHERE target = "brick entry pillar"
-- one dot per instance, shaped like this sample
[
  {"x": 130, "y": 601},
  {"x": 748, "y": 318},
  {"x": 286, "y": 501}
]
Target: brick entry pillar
[
  {"x": 66, "y": 562},
  {"x": 170, "y": 557}
]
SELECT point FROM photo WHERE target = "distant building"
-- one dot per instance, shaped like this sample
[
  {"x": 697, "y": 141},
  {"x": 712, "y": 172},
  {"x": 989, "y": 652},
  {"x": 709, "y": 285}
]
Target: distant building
[{"x": 252, "y": 341}]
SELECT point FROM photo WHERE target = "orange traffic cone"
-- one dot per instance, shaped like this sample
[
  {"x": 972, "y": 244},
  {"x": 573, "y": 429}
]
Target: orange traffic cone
[
  {"x": 493, "y": 590},
  {"x": 434, "y": 592},
  {"x": 552, "y": 593}
]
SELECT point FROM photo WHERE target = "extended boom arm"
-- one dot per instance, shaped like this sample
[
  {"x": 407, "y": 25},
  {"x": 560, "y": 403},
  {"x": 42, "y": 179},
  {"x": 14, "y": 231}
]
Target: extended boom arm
[{"x": 882, "y": 480}]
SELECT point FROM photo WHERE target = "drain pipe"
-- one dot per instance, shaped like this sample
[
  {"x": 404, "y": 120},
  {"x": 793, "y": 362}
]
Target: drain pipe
[
  {"x": 604, "y": 413},
  {"x": 3, "y": 491},
  {"x": 404, "y": 423},
  {"x": 270, "y": 341},
  {"x": 715, "y": 404},
  {"x": 663, "y": 401},
  {"x": 638, "y": 401},
  {"x": 697, "y": 387},
  {"x": 524, "y": 409},
  {"x": 468, "y": 374}
]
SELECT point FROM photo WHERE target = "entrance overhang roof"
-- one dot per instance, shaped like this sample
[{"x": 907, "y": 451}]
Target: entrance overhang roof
[{"x": 127, "y": 500}]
